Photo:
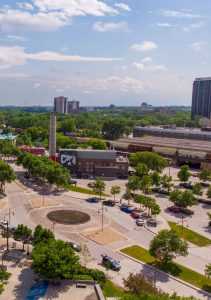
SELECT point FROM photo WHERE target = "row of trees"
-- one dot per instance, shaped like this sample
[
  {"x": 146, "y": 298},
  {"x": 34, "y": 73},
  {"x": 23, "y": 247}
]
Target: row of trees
[
  {"x": 43, "y": 169},
  {"x": 6, "y": 175}
]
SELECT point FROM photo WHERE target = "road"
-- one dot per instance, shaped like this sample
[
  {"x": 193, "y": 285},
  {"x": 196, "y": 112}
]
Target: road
[{"x": 20, "y": 203}]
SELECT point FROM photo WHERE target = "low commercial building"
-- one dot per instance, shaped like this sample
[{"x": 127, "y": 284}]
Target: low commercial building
[
  {"x": 99, "y": 163},
  {"x": 33, "y": 150},
  {"x": 180, "y": 133},
  {"x": 180, "y": 151}
]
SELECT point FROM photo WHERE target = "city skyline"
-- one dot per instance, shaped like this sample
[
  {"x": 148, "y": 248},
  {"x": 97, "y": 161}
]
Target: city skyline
[{"x": 102, "y": 52}]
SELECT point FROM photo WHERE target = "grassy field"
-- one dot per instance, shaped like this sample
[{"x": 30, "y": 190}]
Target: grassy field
[
  {"x": 82, "y": 190},
  {"x": 112, "y": 290},
  {"x": 190, "y": 236},
  {"x": 173, "y": 268}
]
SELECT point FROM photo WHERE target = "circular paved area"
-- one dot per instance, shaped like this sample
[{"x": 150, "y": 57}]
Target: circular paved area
[
  {"x": 68, "y": 217},
  {"x": 39, "y": 216}
]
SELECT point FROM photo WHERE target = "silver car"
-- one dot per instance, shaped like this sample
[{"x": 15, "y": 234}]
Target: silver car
[{"x": 139, "y": 222}]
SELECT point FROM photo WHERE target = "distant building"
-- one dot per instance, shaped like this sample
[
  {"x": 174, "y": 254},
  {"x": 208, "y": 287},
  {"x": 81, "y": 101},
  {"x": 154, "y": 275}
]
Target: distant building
[
  {"x": 201, "y": 98},
  {"x": 99, "y": 163},
  {"x": 73, "y": 107},
  {"x": 33, "y": 150},
  {"x": 144, "y": 106},
  {"x": 61, "y": 105}
]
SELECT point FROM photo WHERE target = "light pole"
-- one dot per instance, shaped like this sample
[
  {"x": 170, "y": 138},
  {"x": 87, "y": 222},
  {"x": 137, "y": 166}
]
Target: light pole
[
  {"x": 182, "y": 222},
  {"x": 169, "y": 164},
  {"x": 102, "y": 215},
  {"x": 53, "y": 225},
  {"x": 9, "y": 214}
]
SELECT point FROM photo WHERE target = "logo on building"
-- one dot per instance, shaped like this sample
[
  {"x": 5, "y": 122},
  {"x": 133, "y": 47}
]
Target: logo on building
[{"x": 68, "y": 159}]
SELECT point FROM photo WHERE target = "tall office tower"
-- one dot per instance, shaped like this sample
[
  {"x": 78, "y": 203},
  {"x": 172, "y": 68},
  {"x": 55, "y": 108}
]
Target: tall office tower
[
  {"x": 52, "y": 137},
  {"x": 73, "y": 107},
  {"x": 201, "y": 98},
  {"x": 61, "y": 104}
]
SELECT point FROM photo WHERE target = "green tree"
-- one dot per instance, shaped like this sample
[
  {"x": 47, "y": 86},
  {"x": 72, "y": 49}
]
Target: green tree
[
  {"x": 55, "y": 259},
  {"x": 209, "y": 192},
  {"x": 197, "y": 189},
  {"x": 167, "y": 244},
  {"x": 184, "y": 173},
  {"x": 114, "y": 128},
  {"x": 152, "y": 160},
  {"x": 97, "y": 144},
  {"x": 42, "y": 235},
  {"x": 22, "y": 233},
  {"x": 175, "y": 196},
  {"x": 166, "y": 182},
  {"x": 208, "y": 270},
  {"x": 145, "y": 184},
  {"x": 85, "y": 256},
  {"x": 149, "y": 203},
  {"x": 67, "y": 126},
  {"x": 4, "y": 276},
  {"x": 155, "y": 178},
  {"x": 115, "y": 190},
  {"x": 99, "y": 186},
  {"x": 128, "y": 195},
  {"x": 205, "y": 175},
  {"x": 155, "y": 209},
  {"x": 141, "y": 199},
  {"x": 133, "y": 184},
  {"x": 6, "y": 175},
  {"x": 138, "y": 284},
  {"x": 141, "y": 170},
  {"x": 187, "y": 199}
]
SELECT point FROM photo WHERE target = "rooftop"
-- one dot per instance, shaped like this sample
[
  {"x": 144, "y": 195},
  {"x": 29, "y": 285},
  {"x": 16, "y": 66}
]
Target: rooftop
[
  {"x": 8, "y": 137},
  {"x": 92, "y": 154}
]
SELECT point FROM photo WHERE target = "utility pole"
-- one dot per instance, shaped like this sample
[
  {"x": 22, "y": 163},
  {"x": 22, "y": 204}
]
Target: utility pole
[
  {"x": 102, "y": 216},
  {"x": 7, "y": 236}
]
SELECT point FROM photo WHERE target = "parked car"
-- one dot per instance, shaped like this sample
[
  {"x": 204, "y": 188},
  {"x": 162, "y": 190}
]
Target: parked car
[
  {"x": 114, "y": 265},
  {"x": 13, "y": 229},
  {"x": 152, "y": 222},
  {"x": 26, "y": 175},
  {"x": 204, "y": 184},
  {"x": 174, "y": 209},
  {"x": 209, "y": 224},
  {"x": 75, "y": 246},
  {"x": 126, "y": 208},
  {"x": 92, "y": 200},
  {"x": 85, "y": 176},
  {"x": 72, "y": 181},
  {"x": 4, "y": 224},
  {"x": 90, "y": 185},
  {"x": 186, "y": 185},
  {"x": 135, "y": 214},
  {"x": 160, "y": 191},
  {"x": 186, "y": 211},
  {"x": 139, "y": 222},
  {"x": 195, "y": 174},
  {"x": 109, "y": 203},
  {"x": 131, "y": 173},
  {"x": 122, "y": 177}
]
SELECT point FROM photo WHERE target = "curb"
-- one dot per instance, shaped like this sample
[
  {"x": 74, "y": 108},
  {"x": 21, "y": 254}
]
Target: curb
[{"x": 166, "y": 274}]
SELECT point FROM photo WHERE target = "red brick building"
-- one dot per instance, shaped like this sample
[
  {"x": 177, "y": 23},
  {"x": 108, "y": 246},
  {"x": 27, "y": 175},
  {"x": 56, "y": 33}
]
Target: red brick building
[{"x": 99, "y": 163}]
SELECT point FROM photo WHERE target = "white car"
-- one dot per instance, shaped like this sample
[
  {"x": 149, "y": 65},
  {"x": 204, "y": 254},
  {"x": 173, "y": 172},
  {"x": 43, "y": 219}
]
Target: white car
[
  {"x": 139, "y": 222},
  {"x": 3, "y": 224}
]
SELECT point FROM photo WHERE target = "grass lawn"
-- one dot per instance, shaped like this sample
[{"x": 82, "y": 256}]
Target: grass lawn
[
  {"x": 190, "y": 236},
  {"x": 82, "y": 190},
  {"x": 173, "y": 268},
  {"x": 110, "y": 289}
]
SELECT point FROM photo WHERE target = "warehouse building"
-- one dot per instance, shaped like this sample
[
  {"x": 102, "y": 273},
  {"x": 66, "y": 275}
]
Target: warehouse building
[{"x": 99, "y": 163}]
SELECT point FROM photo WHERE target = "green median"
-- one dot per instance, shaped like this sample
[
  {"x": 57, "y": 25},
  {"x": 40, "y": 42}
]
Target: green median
[
  {"x": 110, "y": 289},
  {"x": 190, "y": 236},
  {"x": 172, "y": 268},
  {"x": 82, "y": 190}
]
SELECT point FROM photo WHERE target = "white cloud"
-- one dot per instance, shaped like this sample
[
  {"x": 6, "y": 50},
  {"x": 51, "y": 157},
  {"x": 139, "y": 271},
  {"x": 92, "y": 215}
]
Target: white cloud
[
  {"x": 148, "y": 68},
  {"x": 11, "y": 20},
  {"x": 145, "y": 46},
  {"x": 25, "y": 5},
  {"x": 193, "y": 26},
  {"x": 147, "y": 60},
  {"x": 123, "y": 6},
  {"x": 180, "y": 14},
  {"x": 16, "y": 37},
  {"x": 50, "y": 15},
  {"x": 197, "y": 46},
  {"x": 165, "y": 25},
  {"x": 16, "y": 56},
  {"x": 75, "y": 7},
  {"x": 37, "y": 84},
  {"x": 104, "y": 27}
]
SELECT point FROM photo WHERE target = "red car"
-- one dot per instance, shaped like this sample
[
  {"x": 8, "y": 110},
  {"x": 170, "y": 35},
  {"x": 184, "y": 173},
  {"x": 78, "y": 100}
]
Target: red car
[
  {"x": 174, "y": 209},
  {"x": 135, "y": 215}
]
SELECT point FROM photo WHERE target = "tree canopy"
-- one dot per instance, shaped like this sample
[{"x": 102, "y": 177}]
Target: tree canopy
[{"x": 152, "y": 160}]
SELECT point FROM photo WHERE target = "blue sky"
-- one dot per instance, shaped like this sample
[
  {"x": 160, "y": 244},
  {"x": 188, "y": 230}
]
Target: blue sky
[{"x": 103, "y": 51}]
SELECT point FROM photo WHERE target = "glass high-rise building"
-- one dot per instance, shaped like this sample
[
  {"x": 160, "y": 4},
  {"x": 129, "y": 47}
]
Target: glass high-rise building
[{"x": 201, "y": 98}]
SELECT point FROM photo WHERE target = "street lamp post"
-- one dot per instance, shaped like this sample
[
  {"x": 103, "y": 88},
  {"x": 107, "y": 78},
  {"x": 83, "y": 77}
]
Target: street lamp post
[
  {"x": 54, "y": 223},
  {"x": 169, "y": 165},
  {"x": 8, "y": 223},
  {"x": 102, "y": 215}
]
